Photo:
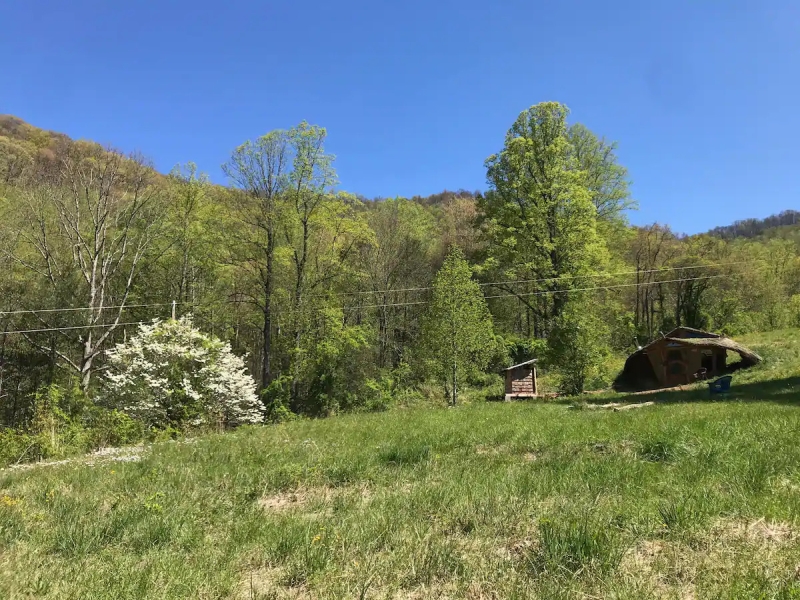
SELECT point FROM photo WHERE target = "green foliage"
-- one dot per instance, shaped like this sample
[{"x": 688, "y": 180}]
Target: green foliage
[
  {"x": 578, "y": 348},
  {"x": 794, "y": 311},
  {"x": 66, "y": 423},
  {"x": 325, "y": 293},
  {"x": 511, "y": 500},
  {"x": 457, "y": 336},
  {"x": 17, "y": 446}
]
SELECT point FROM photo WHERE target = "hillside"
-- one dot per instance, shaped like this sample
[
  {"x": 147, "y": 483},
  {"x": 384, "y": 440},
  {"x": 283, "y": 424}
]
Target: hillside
[
  {"x": 19, "y": 134},
  {"x": 783, "y": 224},
  {"x": 687, "y": 498}
]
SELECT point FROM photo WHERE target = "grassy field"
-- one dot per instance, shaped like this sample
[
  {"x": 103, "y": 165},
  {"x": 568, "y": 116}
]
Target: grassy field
[{"x": 684, "y": 499}]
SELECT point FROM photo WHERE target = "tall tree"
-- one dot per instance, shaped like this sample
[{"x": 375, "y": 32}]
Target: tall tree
[
  {"x": 85, "y": 229},
  {"x": 539, "y": 217},
  {"x": 311, "y": 182},
  {"x": 457, "y": 334},
  {"x": 604, "y": 177},
  {"x": 260, "y": 168}
]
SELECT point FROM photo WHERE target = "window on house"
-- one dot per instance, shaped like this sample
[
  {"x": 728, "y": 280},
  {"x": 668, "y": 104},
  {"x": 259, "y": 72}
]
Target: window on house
[
  {"x": 675, "y": 355},
  {"x": 677, "y": 368}
]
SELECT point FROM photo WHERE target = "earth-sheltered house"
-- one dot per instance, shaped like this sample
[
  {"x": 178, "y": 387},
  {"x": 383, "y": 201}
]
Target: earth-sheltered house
[{"x": 682, "y": 356}]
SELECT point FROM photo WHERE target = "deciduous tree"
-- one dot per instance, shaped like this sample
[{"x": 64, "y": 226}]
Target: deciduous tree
[{"x": 457, "y": 333}]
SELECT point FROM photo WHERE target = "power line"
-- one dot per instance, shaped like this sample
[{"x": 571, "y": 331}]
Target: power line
[
  {"x": 620, "y": 273},
  {"x": 537, "y": 293},
  {"x": 83, "y": 308},
  {"x": 414, "y": 289},
  {"x": 559, "y": 278},
  {"x": 71, "y": 328},
  {"x": 546, "y": 292},
  {"x": 607, "y": 287}
]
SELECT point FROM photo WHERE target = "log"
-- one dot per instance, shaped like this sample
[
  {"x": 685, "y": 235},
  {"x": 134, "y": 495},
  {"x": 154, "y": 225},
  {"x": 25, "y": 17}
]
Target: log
[{"x": 630, "y": 406}]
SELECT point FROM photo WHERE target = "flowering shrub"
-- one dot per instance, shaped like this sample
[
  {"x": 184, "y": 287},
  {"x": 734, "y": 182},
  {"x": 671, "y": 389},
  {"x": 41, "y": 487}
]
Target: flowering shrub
[{"x": 171, "y": 374}]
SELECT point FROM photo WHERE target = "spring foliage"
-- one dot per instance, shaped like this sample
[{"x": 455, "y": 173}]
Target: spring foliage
[
  {"x": 457, "y": 329},
  {"x": 171, "y": 374}
]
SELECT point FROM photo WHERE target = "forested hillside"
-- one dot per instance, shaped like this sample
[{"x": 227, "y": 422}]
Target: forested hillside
[
  {"x": 783, "y": 224},
  {"x": 329, "y": 295}
]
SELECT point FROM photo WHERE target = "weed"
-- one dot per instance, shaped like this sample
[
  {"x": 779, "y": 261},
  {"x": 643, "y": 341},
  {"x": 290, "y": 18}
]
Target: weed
[
  {"x": 572, "y": 545},
  {"x": 657, "y": 451},
  {"x": 406, "y": 455}
]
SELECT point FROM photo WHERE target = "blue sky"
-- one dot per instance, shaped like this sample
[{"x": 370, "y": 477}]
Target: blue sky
[{"x": 701, "y": 96}]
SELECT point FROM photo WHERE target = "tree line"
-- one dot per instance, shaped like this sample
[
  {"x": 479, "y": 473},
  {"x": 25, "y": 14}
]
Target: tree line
[{"x": 339, "y": 302}]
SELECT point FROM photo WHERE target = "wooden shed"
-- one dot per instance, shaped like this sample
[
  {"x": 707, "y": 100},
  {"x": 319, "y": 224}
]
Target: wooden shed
[
  {"x": 682, "y": 356},
  {"x": 521, "y": 380}
]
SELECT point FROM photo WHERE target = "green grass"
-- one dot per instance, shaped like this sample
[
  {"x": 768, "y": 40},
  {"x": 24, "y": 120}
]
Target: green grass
[{"x": 687, "y": 498}]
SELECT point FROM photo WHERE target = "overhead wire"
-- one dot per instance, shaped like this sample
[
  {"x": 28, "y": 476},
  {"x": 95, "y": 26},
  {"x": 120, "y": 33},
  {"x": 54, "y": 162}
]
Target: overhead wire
[
  {"x": 558, "y": 278},
  {"x": 546, "y": 292},
  {"x": 387, "y": 291},
  {"x": 70, "y": 328},
  {"x": 32, "y": 311},
  {"x": 413, "y": 303}
]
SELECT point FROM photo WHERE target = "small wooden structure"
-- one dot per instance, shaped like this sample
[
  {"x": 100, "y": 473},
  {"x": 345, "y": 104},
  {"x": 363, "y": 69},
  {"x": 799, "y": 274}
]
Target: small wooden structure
[
  {"x": 682, "y": 356},
  {"x": 521, "y": 380}
]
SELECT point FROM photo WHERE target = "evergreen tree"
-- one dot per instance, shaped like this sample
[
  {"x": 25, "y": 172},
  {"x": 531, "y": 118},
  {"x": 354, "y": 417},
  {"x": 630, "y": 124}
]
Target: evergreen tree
[{"x": 457, "y": 329}]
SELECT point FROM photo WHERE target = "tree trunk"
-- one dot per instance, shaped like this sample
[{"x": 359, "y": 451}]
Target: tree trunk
[
  {"x": 86, "y": 362},
  {"x": 266, "y": 372},
  {"x": 455, "y": 384}
]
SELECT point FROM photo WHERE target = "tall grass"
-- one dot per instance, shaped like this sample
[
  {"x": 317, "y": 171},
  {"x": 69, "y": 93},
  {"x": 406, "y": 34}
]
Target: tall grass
[{"x": 503, "y": 500}]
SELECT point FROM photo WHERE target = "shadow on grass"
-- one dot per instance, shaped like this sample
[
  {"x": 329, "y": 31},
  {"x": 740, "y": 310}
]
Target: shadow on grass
[{"x": 780, "y": 391}]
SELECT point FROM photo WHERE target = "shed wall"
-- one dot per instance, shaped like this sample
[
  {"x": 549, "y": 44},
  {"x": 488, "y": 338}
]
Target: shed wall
[
  {"x": 521, "y": 383},
  {"x": 675, "y": 364}
]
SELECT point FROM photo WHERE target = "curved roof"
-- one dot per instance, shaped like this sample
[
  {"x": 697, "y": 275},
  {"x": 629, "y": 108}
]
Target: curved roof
[{"x": 721, "y": 342}]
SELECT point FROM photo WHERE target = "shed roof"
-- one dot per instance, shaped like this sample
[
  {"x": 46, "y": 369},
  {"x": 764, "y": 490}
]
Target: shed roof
[
  {"x": 691, "y": 332},
  {"x": 721, "y": 342},
  {"x": 523, "y": 364}
]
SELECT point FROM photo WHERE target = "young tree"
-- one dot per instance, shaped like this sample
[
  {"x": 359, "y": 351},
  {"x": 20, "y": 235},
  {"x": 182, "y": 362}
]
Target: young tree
[
  {"x": 457, "y": 334},
  {"x": 577, "y": 347}
]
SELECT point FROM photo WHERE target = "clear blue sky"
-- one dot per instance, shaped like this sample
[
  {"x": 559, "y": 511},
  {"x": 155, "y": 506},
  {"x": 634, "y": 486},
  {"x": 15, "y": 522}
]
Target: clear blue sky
[{"x": 702, "y": 97}]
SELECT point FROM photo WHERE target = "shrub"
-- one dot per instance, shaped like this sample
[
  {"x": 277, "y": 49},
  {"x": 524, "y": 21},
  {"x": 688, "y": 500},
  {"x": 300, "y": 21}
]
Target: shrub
[
  {"x": 578, "y": 349},
  {"x": 16, "y": 446},
  {"x": 114, "y": 428},
  {"x": 276, "y": 398},
  {"x": 171, "y": 374},
  {"x": 794, "y": 310},
  {"x": 57, "y": 422},
  {"x": 380, "y": 393}
]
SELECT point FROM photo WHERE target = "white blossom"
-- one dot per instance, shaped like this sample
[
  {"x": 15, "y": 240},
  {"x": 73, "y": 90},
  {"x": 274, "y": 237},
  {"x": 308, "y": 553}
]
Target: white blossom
[{"x": 170, "y": 373}]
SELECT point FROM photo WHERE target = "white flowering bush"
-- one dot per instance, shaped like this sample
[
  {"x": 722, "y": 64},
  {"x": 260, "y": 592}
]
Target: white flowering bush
[{"x": 171, "y": 374}]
